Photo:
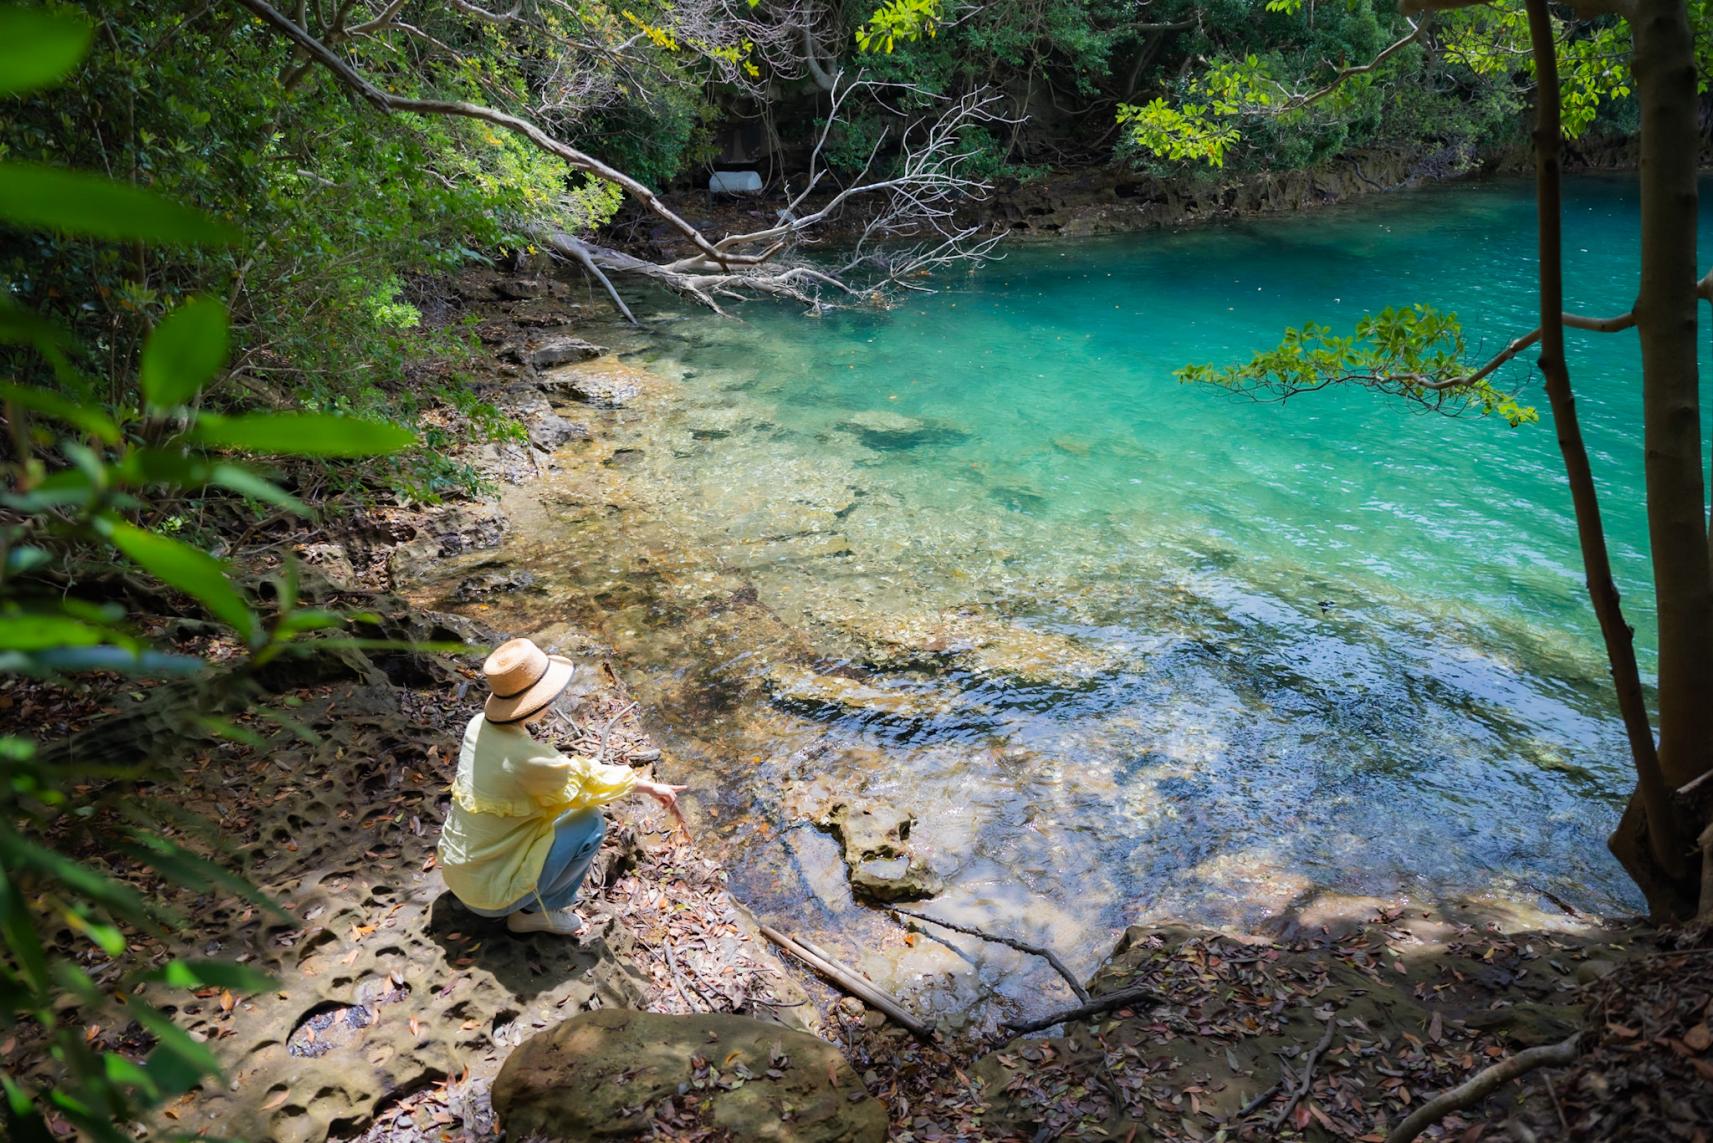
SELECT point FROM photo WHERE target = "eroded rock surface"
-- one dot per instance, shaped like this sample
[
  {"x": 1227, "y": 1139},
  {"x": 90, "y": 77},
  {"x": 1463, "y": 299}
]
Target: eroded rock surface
[
  {"x": 617, "y": 1072},
  {"x": 562, "y": 350},
  {"x": 980, "y": 643},
  {"x": 606, "y": 383},
  {"x": 876, "y": 839},
  {"x": 800, "y": 688}
]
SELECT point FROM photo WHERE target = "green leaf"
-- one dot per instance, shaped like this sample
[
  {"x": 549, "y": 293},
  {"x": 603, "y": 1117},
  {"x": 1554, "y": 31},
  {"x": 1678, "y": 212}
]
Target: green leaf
[
  {"x": 194, "y": 871},
  {"x": 24, "y": 1121},
  {"x": 18, "y": 326},
  {"x": 241, "y": 480},
  {"x": 211, "y": 973},
  {"x": 76, "y": 202},
  {"x": 190, "y": 570},
  {"x": 183, "y": 352},
  {"x": 91, "y": 420},
  {"x": 39, "y": 47},
  {"x": 117, "y": 898},
  {"x": 26, "y": 559},
  {"x": 235, "y": 732},
  {"x": 121, "y": 660},
  {"x": 172, "y": 1073},
  {"x": 105, "y": 937},
  {"x": 124, "y": 1073},
  {"x": 173, "y": 1039},
  {"x": 302, "y": 434},
  {"x": 19, "y": 930},
  {"x": 26, "y": 632}
]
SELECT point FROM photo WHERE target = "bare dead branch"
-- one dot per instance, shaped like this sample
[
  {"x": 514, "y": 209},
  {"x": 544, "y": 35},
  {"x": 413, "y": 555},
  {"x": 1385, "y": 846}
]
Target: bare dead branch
[
  {"x": 1094, "y": 1007},
  {"x": 1044, "y": 953},
  {"x": 910, "y": 229},
  {"x": 1478, "y": 1086},
  {"x": 579, "y": 253},
  {"x": 1306, "y": 1080}
]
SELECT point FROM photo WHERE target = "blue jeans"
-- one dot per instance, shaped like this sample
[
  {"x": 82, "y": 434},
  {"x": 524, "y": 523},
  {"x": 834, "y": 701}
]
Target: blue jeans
[{"x": 577, "y": 837}]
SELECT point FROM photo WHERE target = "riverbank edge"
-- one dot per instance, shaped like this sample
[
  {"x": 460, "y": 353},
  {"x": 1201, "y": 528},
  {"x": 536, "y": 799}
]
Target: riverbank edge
[{"x": 883, "y": 1055}]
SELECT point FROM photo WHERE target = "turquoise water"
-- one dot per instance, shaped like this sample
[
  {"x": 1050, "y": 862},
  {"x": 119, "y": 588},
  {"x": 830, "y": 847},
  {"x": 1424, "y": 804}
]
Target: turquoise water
[{"x": 1331, "y": 645}]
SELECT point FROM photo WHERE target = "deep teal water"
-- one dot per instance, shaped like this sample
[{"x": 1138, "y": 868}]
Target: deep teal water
[{"x": 1347, "y": 643}]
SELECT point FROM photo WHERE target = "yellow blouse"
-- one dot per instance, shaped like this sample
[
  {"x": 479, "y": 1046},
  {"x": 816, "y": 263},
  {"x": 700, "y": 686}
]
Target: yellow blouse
[{"x": 507, "y": 793}]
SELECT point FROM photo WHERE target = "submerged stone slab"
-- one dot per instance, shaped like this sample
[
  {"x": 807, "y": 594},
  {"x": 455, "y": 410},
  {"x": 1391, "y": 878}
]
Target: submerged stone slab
[
  {"x": 800, "y": 687},
  {"x": 984, "y": 644},
  {"x": 884, "y": 430},
  {"x": 607, "y": 1074}
]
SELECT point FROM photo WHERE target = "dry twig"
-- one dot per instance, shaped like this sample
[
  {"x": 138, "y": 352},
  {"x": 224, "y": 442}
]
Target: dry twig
[
  {"x": 1478, "y": 1086},
  {"x": 1044, "y": 953}
]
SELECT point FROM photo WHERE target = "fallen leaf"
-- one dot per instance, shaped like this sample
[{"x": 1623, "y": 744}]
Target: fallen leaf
[
  {"x": 227, "y": 1000},
  {"x": 415, "y": 1027},
  {"x": 1700, "y": 1037},
  {"x": 277, "y": 1099}
]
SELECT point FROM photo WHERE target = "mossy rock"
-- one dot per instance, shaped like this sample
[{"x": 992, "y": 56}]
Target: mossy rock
[{"x": 608, "y": 1074}]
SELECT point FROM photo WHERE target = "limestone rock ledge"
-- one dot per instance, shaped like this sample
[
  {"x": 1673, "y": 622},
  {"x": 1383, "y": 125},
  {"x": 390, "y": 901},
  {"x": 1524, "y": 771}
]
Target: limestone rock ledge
[
  {"x": 593, "y": 1076},
  {"x": 876, "y": 841}
]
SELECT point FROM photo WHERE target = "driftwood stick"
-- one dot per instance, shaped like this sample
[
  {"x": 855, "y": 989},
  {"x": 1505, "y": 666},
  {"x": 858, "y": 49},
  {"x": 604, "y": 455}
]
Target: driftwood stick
[
  {"x": 1264, "y": 1094},
  {"x": 1046, "y": 954},
  {"x": 1477, "y": 1087},
  {"x": 848, "y": 981},
  {"x": 1306, "y": 1080},
  {"x": 1094, "y": 1007}
]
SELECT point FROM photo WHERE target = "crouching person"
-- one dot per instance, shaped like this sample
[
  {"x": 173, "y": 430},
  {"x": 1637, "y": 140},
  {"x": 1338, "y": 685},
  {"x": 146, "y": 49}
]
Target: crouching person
[{"x": 525, "y": 821}]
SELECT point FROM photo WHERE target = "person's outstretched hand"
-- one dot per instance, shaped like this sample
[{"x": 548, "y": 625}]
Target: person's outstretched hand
[{"x": 667, "y": 796}]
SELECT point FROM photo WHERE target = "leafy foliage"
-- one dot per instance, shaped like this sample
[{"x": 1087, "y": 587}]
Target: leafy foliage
[
  {"x": 1415, "y": 352},
  {"x": 1292, "y": 103},
  {"x": 83, "y": 477},
  {"x": 898, "y": 21}
]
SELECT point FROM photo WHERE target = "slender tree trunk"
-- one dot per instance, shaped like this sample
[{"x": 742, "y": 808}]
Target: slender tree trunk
[
  {"x": 1591, "y": 533},
  {"x": 1666, "y": 326}
]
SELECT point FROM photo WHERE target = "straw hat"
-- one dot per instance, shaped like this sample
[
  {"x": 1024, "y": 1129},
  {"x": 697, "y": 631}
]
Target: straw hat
[{"x": 523, "y": 679}]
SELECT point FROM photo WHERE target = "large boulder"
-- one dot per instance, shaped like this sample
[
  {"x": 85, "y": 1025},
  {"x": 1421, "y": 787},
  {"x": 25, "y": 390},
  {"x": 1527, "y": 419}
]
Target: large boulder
[
  {"x": 563, "y": 350},
  {"x": 618, "y": 1072},
  {"x": 606, "y": 384}
]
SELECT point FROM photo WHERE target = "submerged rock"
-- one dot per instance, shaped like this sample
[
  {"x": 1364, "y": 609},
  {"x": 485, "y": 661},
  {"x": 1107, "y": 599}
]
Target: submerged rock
[
  {"x": 800, "y": 687},
  {"x": 492, "y": 581},
  {"x": 883, "y": 430},
  {"x": 875, "y": 836},
  {"x": 550, "y": 431},
  {"x": 983, "y": 644},
  {"x": 613, "y": 1072}
]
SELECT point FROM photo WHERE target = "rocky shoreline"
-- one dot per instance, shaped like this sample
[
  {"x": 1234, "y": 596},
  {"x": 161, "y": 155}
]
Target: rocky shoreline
[
  {"x": 1409, "y": 1001},
  {"x": 398, "y": 1017}
]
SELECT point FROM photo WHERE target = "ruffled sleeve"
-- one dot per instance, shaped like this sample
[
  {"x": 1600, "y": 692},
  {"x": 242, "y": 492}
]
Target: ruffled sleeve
[{"x": 558, "y": 782}]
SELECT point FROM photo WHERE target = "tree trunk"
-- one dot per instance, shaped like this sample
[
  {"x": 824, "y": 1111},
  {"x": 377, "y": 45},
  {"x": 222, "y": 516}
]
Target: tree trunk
[
  {"x": 1654, "y": 795},
  {"x": 1666, "y": 326},
  {"x": 1649, "y": 839}
]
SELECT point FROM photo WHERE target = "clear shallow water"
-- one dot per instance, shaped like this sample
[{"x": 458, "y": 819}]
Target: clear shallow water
[{"x": 1147, "y": 649}]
